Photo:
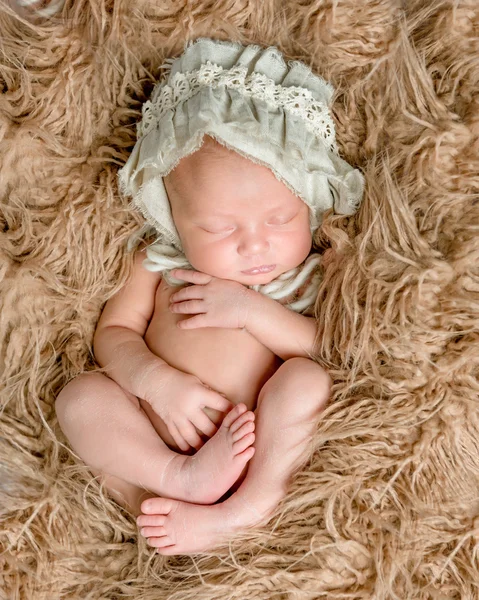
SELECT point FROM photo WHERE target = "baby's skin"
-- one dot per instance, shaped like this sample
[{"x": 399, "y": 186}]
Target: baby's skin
[{"x": 211, "y": 397}]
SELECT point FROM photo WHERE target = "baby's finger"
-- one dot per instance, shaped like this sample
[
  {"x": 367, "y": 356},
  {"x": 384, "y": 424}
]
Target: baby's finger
[
  {"x": 196, "y": 322},
  {"x": 188, "y": 307},
  {"x": 192, "y": 292},
  {"x": 189, "y": 433},
  {"x": 204, "y": 424},
  {"x": 215, "y": 400},
  {"x": 179, "y": 440},
  {"x": 191, "y": 276}
]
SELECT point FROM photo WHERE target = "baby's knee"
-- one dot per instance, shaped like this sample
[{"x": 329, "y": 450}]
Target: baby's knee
[
  {"x": 302, "y": 383},
  {"x": 79, "y": 397},
  {"x": 303, "y": 376}
]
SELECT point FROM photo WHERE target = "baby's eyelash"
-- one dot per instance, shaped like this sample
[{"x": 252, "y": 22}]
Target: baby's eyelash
[
  {"x": 282, "y": 222},
  {"x": 288, "y": 220},
  {"x": 217, "y": 232}
]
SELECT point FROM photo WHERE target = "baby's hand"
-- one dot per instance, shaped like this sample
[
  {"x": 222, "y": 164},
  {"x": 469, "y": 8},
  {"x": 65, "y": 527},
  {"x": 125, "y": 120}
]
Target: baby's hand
[
  {"x": 179, "y": 398},
  {"x": 214, "y": 302}
]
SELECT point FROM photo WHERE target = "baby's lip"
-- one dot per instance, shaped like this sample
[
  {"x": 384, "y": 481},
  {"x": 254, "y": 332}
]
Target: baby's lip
[{"x": 259, "y": 270}]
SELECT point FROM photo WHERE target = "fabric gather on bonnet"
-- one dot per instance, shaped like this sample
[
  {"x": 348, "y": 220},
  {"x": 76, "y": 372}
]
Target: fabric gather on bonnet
[{"x": 251, "y": 101}]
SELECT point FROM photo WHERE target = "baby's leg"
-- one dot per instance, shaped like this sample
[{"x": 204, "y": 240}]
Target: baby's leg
[
  {"x": 288, "y": 408},
  {"x": 126, "y": 494},
  {"x": 109, "y": 430}
]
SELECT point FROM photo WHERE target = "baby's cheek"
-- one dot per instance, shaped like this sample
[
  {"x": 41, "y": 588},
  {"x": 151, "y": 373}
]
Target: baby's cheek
[
  {"x": 209, "y": 259},
  {"x": 195, "y": 253},
  {"x": 299, "y": 246}
]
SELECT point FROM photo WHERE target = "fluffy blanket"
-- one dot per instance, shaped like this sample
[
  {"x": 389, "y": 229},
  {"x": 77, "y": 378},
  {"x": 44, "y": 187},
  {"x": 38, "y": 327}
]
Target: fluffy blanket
[{"x": 387, "y": 507}]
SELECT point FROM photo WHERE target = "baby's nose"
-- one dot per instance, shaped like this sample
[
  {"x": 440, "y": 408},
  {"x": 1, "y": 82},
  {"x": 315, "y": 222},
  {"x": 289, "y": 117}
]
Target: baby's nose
[{"x": 253, "y": 244}]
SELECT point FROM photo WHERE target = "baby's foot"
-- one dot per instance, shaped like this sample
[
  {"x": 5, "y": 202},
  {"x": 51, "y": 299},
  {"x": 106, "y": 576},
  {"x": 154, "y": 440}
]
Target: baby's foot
[
  {"x": 175, "y": 527},
  {"x": 206, "y": 476}
]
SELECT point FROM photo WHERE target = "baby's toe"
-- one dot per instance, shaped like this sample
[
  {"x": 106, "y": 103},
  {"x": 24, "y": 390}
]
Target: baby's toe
[
  {"x": 234, "y": 413},
  {"x": 241, "y": 420},
  {"x": 151, "y": 520},
  {"x": 160, "y": 542},
  {"x": 153, "y": 532},
  {"x": 243, "y": 443},
  {"x": 158, "y": 506},
  {"x": 248, "y": 427}
]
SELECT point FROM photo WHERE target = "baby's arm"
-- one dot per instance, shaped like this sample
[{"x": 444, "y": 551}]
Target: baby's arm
[
  {"x": 118, "y": 342},
  {"x": 284, "y": 332},
  {"x": 224, "y": 303},
  {"x": 175, "y": 396}
]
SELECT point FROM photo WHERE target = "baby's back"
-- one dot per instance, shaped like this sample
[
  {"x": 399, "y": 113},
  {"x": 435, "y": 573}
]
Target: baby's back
[{"x": 230, "y": 361}]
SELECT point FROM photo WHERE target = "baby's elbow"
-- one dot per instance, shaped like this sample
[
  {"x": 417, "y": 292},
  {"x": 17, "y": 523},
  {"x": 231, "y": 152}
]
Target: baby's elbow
[{"x": 108, "y": 338}]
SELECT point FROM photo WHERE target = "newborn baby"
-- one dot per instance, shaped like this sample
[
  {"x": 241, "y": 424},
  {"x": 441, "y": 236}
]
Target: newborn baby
[
  {"x": 172, "y": 390},
  {"x": 210, "y": 396}
]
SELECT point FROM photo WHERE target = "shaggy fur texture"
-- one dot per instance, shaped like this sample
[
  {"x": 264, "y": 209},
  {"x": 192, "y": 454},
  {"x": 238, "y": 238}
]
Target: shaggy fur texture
[{"x": 387, "y": 507}]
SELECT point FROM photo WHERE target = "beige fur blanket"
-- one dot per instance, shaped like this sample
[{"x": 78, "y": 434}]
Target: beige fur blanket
[{"x": 388, "y": 505}]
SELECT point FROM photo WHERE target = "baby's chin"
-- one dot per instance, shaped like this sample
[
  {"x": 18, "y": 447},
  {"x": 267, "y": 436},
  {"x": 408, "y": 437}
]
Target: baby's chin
[
  {"x": 244, "y": 278},
  {"x": 259, "y": 278}
]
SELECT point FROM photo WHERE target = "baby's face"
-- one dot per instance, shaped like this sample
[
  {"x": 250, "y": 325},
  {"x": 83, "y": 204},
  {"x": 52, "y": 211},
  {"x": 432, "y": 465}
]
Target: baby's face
[{"x": 234, "y": 218}]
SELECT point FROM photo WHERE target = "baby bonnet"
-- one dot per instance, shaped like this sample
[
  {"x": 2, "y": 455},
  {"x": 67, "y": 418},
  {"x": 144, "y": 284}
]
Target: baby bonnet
[{"x": 253, "y": 102}]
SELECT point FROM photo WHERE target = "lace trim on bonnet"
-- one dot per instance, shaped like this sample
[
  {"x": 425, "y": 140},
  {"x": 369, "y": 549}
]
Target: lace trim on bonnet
[{"x": 183, "y": 86}]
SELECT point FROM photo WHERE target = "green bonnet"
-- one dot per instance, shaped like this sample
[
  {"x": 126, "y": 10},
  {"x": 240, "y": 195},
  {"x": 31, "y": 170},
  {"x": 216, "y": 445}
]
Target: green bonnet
[{"x": 254, "y": 102}]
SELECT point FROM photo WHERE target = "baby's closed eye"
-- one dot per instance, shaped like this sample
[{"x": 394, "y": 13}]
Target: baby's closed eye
[
  {"x": 229, "y": 229},
  {"x": 274, "y": 221},
  {"x": 281, "y": 220}
]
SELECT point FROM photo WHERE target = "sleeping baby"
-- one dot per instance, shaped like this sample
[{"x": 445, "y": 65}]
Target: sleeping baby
[{"x": 209, "y": 393}]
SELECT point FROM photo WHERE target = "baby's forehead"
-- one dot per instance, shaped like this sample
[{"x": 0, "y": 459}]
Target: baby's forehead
[
  {"x": 216, "y": 180},
  {"x": 213, "y": 163},
  {"x": 267, "y": 206}
]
